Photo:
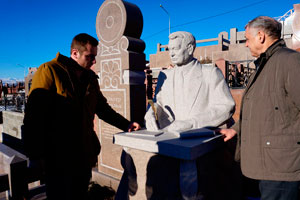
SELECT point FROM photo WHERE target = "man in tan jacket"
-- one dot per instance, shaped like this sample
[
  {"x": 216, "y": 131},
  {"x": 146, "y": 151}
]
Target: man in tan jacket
[
  {"x": 58, "y": 126},
  {"x": 269, "y": 127}
]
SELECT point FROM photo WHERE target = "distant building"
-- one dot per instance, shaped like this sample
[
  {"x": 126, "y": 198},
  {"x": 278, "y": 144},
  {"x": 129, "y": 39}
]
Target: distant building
[
  {"x": 28, "y": 79},
  {"x": 11, "y": 88}
]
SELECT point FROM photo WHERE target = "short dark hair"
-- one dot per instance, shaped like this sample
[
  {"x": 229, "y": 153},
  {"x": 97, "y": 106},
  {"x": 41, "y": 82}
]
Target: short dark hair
[
  {"x": 79, "y": 42},
  {"x": 269, "y": 25}
]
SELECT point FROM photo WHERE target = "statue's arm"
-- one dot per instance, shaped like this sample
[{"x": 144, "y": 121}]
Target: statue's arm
[{"x": 156, "y": 117}]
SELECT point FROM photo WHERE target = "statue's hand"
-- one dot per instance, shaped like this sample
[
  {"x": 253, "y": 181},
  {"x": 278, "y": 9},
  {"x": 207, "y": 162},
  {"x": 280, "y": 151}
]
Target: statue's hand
[
  {"x": 150, "y": 120},
  {"x": 180, "y": 125}
]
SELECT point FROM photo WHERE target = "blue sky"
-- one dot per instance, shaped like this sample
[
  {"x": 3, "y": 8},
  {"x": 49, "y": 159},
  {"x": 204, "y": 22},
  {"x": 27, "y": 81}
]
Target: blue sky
[{"x": 33, "y": 31}]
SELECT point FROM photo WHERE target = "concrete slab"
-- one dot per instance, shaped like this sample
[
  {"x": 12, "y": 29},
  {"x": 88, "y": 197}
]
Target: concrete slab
[
  {"x": 169, "y": 144},
  {"x": 6, "y": 153},
  {"x": 12, "y": 122}
]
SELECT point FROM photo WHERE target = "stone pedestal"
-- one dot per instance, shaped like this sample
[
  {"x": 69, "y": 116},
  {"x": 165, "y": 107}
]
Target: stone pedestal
[
  {"x": 133, "y": 185},
  {"x": 120, "y": 66},
  {"x": 166, "y": 167}
]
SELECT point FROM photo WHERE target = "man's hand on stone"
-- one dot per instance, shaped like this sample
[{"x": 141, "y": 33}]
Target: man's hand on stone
[
  {"x": 180, "y": 125},
  {"x": 134, "y": 126},
  {"x": 228, "y": 133}
]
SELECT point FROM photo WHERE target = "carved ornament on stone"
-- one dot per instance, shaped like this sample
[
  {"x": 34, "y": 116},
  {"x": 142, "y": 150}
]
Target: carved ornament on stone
[{"x": 110, "y": 73}]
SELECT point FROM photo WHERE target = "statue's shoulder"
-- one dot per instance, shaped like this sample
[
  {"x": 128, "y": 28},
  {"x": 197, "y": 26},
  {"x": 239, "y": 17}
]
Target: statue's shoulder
[
  {"x": 210, "y": 69},
  {"x": 207, "y": 67},
  {"x": 211, "y": 72},
  {"x": 166, "y": 72}
]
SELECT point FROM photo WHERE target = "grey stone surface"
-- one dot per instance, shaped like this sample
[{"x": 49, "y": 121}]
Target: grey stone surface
[
  {"x": 169, "y": 144},
  {"x": 116, "y": 18},
  {"x": 6, "y": 153},
  {"x": 7, "y": 156},
  {"x": 12, "y": 122},
  {"x": 165, "y": 167},
  {"x": 15, "y": 164},
  {"x": 120, "y": 67},
  {"x": 141, "y": 149},
  {"x": 103, "y": 179},
  {"x": 133, "y": 184}
]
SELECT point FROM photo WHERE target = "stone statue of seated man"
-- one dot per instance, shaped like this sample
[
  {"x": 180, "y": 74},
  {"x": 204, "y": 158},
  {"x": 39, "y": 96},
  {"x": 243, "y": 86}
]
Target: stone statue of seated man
[{"x": 190, "y": 95}]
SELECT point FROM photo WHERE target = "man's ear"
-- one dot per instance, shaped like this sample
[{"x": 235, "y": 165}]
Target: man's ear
[
  {"x": 190, "y": 49},
  {"x": 75, "y": 54},
  {"x": 261, "y": 36}
]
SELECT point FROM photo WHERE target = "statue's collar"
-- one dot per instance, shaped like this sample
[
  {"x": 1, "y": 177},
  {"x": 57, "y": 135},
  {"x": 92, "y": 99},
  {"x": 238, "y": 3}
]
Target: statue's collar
[{"x": 187, "y": 67}]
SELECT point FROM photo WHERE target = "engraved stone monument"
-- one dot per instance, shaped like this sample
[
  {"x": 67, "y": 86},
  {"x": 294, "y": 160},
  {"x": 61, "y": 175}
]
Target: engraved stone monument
[{"x": 120, "y": 67}]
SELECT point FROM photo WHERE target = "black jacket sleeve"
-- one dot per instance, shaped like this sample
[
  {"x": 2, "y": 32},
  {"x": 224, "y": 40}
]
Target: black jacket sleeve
[{"x": 107, "y": 114}]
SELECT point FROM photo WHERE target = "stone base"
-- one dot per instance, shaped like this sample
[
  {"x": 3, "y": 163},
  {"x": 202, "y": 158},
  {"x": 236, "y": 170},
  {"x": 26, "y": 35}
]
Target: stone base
[
  {"x": 105, "y": 180},
  {"x": 152, "y": 176},
  {"x": 3, "y": 196},
  {"x": 133, "y": 182}
]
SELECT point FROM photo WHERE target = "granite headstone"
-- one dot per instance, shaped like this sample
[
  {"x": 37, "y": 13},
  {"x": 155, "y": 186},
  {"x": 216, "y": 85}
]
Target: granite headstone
[{"x": 120, "y": 67}]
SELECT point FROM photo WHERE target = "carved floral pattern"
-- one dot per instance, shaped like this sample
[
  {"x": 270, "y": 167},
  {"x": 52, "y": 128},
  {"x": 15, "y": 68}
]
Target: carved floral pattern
[{"x": 111, "y": 73}]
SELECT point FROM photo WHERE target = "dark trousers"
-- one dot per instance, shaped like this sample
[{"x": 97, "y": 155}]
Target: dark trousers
[
  {"x": 67, "y": 184},
  {"x": 279, "y": 190}
]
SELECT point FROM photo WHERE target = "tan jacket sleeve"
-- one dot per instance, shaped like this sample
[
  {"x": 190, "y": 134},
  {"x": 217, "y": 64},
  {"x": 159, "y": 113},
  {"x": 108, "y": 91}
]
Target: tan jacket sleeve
[{"x": 42, "y": 78}]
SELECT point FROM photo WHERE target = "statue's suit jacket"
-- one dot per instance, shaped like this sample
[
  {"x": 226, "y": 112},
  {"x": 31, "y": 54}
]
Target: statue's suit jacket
[{"x": 207, "y": 98}]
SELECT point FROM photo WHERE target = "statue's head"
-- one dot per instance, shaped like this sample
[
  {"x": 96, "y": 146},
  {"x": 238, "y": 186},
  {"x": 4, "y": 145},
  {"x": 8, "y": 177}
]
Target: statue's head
[{"x": 181, "y": 47}]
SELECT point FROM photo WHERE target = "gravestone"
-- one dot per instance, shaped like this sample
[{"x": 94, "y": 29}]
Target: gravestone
[
  {"x": 120, "y": 67},
  {"x": 12, "y": 122}
]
